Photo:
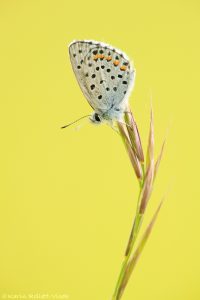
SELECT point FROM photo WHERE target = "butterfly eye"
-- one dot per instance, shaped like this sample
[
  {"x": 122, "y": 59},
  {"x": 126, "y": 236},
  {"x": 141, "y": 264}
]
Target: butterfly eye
[{"x": 97, "y": 118}]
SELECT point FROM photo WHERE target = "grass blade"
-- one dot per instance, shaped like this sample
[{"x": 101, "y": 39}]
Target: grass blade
[{"x": 134, "y": 259}]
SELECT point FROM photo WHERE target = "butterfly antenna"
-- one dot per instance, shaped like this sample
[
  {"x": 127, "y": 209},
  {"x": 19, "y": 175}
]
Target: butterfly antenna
[{"x": 74, "y": 121}]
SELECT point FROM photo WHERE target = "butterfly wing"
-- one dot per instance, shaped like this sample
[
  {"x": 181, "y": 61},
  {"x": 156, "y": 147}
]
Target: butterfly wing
[
  {"x": 77, "y": 51},
  {"x": 104, "y": 74}
]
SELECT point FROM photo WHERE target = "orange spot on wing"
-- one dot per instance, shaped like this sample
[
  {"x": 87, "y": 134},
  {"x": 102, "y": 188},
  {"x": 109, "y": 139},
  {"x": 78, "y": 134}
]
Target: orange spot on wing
[
  {"x": 123, "y": 68},
  {"x": 108, "y": 58},
  {"x": 95, "y": 57},
  {"x": 116, "y": 62}
]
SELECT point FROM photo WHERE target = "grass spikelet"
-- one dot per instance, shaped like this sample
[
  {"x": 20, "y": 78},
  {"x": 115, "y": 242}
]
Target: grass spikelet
[
  {"x": 133, "y": 158},
  {"x": 145, "y": 170}
]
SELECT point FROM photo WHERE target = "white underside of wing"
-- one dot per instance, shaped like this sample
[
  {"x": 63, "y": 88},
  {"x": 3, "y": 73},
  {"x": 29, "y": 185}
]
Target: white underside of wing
[{"x": 103, "y": 83}]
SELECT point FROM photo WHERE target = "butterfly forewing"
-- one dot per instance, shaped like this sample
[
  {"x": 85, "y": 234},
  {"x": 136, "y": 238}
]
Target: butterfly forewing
[
  {"x": 104, "y": 74},
  {"x": 78, "y": 50}
]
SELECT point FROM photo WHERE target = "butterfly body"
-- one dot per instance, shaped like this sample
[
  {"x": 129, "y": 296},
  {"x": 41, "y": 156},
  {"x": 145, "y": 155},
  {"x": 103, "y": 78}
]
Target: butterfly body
[
  {"x": 108, "y": 116},
  {"x": 105, "y": 76}
]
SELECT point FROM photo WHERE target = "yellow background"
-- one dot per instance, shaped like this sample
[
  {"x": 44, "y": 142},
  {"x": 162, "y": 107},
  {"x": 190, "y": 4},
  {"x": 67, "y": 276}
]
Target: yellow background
[{"x": 68, "y": 197}]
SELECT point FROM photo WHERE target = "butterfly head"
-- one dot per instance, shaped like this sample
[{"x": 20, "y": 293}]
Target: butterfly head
[
  {"x": 96, "y": 118},
  {"x": 108, "y": 117}
]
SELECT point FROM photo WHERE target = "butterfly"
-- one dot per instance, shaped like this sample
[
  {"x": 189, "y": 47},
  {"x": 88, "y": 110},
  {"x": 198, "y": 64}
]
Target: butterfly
[{"x": 105, "y": 76}]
